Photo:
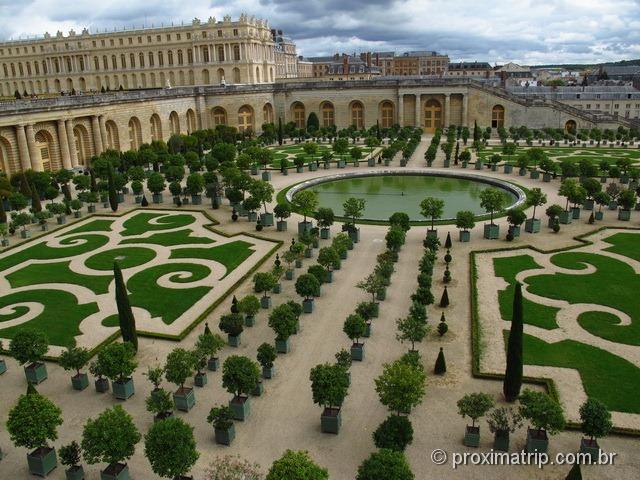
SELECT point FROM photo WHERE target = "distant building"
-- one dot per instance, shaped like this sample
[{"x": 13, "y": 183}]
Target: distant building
[
  {"x": 286, "y": 57},
  {"x": 470, "y": 70},
  {"x": 513, "y": 74},
  {"x": 344, "y": 67}
]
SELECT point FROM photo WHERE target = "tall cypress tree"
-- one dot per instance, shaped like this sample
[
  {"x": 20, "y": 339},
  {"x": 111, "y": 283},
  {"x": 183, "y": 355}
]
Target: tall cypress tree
[
  {"x": 279, "y": 130},
  {"x": 476, "y": 132},
  {"x": 35, "y": 200},
  {"x": 513, "y": 374},
  {"x": 113, "y": 198},
  {"x": 125, "y": 315}
]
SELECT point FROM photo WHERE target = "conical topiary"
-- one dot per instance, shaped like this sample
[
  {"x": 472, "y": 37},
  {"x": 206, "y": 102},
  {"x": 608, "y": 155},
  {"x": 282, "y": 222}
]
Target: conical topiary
[
  {"x": 441, "y": 364},
  {"x": 575, "y": 473},
  {"x": 444, "y": 300},
  {"x": 207, "y": 330},
  {"x": 447, "y": 243},
  {"x": 144, "y": 202},
  {"x": 234, "y": 305},
  {"x": 125, "y": 314},
  {"x": 113, "y": 198},
  {"x": 442, "y": 326},
  {"x": 513, "y": 372}
]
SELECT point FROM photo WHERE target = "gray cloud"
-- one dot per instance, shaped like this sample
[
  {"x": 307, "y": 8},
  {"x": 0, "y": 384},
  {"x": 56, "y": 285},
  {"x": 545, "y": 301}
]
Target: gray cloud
[{"x": 525, "y": 31}]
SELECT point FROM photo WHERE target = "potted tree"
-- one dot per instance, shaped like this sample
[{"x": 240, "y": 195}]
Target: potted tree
[
  {"x": 298, "y": 249},
  {"x": 110, "y": 438},
  {"x": 263, "y": 282},
  {"x": 266, "y": 356},
  {"x": 171, "y": 449},
  {"x": 98, "y": 369},
  {"x": 21, "y": 220},
  {"x": 137, "y": 188},
  {"x": 354, "y": 209},
  {"x": 329, "y": 258},
  {"x": 60, "y": 210},
  {"x": 283, "y": 322},
  {"x": 549, "y": 169},
  {"x": 29, "y": 346},
  {"x": 32, "y": 422},
  {"x": 329, "y": 385},
  {"x": 75, "y": 358},
  {"x": 553, "y": 212},
  {"x": 515, "y": 217},
  {"x": 401, "y": 386},
  {"x": 250, "y": 205},
  {"x": 342, "y": 243},
  {"x": 195, "y": 186},
  {"x": 385, "y": 463},
  {"x": 296, "y": 308},
  {"x": 262, "y": 191},
  {"x": 343, "y": 359},
  {"x": 282, "y": 211},
  {"x": 545, "y": 415},
  {"x": 232, "y": 324},
  {"x": 568, "y": 190},
  {"x": 355, "y": 327},
  {"x": 536, "y": 198},
  {"x": 249, "y": 307},
  {"x": 240, "y": 376},
  {"x": 76, "y": 205},
  {"x": 306, "y": 286},
  {"x": 465, "y": 220},
  {"x": 374, "y": 285},
  {"x": 222, "y": 420},
  {"x": 159, "y": 403},
  {"x": 156, "y": 185},
  {"x": 492, "y": 200},
  {"x": 474, "y": 405},
  {"x": 296, "y": 466},
  {"x": 596, "y": 423},
  {"x": 502, "y": 422},
  {"x": 602, "y": 199},
  {"x": 325, "y": 218},
  {"x": 591, "y": 186},
  {"x": 522, "y": 162},
  {"x": 626, "y": 200},
  {"x": 289, "y": 258},
  {"x": 432, "y": 208},
  {"x": 70, "y": 458},
  {"x": 208, "y": 345},
  {"x": 305, "y": 203},
  {"x": 117, "y": 364},
  {"x": 3, "y": 233},
  {"x": 179, "y": 366}
]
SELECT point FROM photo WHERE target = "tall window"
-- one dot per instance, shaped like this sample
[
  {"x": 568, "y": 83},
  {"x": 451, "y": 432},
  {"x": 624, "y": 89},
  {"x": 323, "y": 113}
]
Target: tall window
[
  {"x": 123, "y": 61},
  {"x": 328, "y": 114},
  {"x": 221, "y": 53},
  {"x": 205, "y": 54},
  {"x": 357, "y": 115},
  {"x": 245, "y": 119},
  {"x": 141, "y": 59},
  {"x": 219, "y": 116},
  {"x": 190, "y": 56},
  {"x": 236, "y": 52},
  {"x": 96, "y": 63},
  {"x": 170, "y": 57},
  {"x": 180, "y": 59},
  {"x": 298, "y": 115},
  {"x": 386, "y": 113},
  {"x": 497, "y": 116},
  {"x": 132, "y": 60},
  {"x": 151, "y": 59},
  {"x": 160, "y": 59}
]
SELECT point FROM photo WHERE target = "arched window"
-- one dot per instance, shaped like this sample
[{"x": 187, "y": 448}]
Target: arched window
[
  {"x": 123, "y": 60},
  {"x": 219, "y": 116},
  {"x": 44, "y": 145},
  {"x": 267, "y": 113},
  {"x": 132, "y": 60},
  {"x": 151, "y": 59},
  {"x": 191, "y": 122},
  {"x": 220, "y": 75},
  {"x": 298, "y": 112},
  {"x": 174, "y": 122},
  {"x": 245, "y": 119},
  {"x": 156, "y": 127},
  {"x": 113, "y": 141},
  {"x": 135, "y": 133},
  {"x": 328, "y": 114},
  {"x": 205, "y": 77},
  {"x": 170, "y": 57},
  {"x": 357, "y": 115},
  {"x": 497, "y": 116},
  {"x": 236, "y": 52},
  {"x": 141, "y": 59},
  {"x": 432, "y": 115},
  {"x": 180, "y": 58},
  {"x": 81, "y": 139},
  {"x": 386, "y": 114},
  {"x": 160, "y": 59},
  {"x": 236, "y": 75},
  {"x": 221, "y": 53},
  {"x": 96, "y": 63},
  {"x": 570, "y": 127}
]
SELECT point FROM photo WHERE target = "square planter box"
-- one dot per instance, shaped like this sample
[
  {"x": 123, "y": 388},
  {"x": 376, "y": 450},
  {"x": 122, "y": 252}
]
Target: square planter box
[
  {"x": 298, "y": 263},
  {"x": 464, "y": 165},
  {"x": 277, "y": 288},
  {"x": 537, "y": 441},
  {"x": 375, "y": 310},
  {"x": 77, "y": 214},
  {"x": 508, "y": 168},
  {"x": 308, "y": 253},
  {"x": 465, "y": 235},
  {"x": 265, "y": 302},
  {"x": 92, "y": 208},
  {"x": 36, "y": 372},
  {"x": 613, "y": 205},
  {"x": 329, "y": 278},
  {"x": 313, "y": 167},
  {"x": 327, "y": 165},
  {"x": 101, "y": 385},
  {"x": 259, "y": 390},
  {"x": 123, "y": 390},
  {"x": 344, "y": 255},
  {"x": 331, "y": 420},
  {"x": 342, "y": 164},
  {"x": 534, "y": 175},
  {"x": 304, "y": 227},
  {"x": 325, "y": 233},
  {"x": 591, "y": 448},
  {"x": 599, "y": 215},
  {"x": 494, "y": 167},
  {"x": 532, "y": 225},
  {"x": 354, "y": 234},
  {"x": 546, "y": 177},
  {"x": 283, "y": 346},
  {"x": 381, "y": 294},
  {"x": 196, "y": 199},
  {"x": 184, "y": 399},
  {"x": 368, "y": 329},
  {"x": 624, "y": 215},
  {"x": 268, "y": 373},
  {"x": 234, "y": 340},
  {"x": 288, "y": 274},
  {"x": 225, "y": 437},
  {"x": 42, "y": 461},
  {"x": 3, "y": 366},
  {"x": 478, "y": 165},
  {"x": 120, "y": 197},
  {"x": 241, "y": 408},
  {"x": 254, "y": 170},
  {"x": 281, "y": 226},
  {"x": 5, "y": 242},
  {"x": 200, "y": 379},
  {"x": 62, "y": 219},
  {"x": 249, "y": 321},
  {"x": 266, "y": 176},
  {"x": 575, "y": 213},
  {"x": 115, "y": 471},
  {"x": 138, "y": 199},
  {"x": 157, "y": 198},
  {"x": 357, "y": 352},
  {"x": 252, "y": 216},
  {"x": 75, "y": 473},
  {"x": 472, "y": 437},
  {"x": 307, "y": 305},
  {"x": 501, "y": 441},
  {"x": 213, "y": 364},
  {"x": 522, "y": 172},
  {"x": 371, "y": 162},
  {"x": 565, "y": 218},
  {"x": 588, "y": 205},
  {"x": 432, "y": 233},
  {"x": 515, "y": 231},
  {"x": 491, "y": 231},
  {"x": 80, "y": 382},
  {"x": 300, "y": 169},
  {"x": 25, "y": 234},
  {"x": 266, "y": 219}
]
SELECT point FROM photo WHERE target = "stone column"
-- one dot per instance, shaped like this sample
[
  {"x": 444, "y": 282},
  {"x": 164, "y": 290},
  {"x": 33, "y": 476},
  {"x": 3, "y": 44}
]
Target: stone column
[
  {"x": 418, "y": 111},
  {"x": 63, "y": 140},
  {"x": 97, "y": 139},
  {"x": 73, "y": 153},
  {"x": 465, "y": 109},
  {"x": 34, "y": 153},
  {"x": 23, "y": 148},
  {"x": 447, "y": 109},
  {"x": 401, "y": 109},
  {"x": 103, "y": 132}
]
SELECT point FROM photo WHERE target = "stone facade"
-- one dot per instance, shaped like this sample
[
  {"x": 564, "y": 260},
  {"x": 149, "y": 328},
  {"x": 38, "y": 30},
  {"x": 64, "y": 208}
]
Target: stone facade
[{"x": 67, "y": 131}]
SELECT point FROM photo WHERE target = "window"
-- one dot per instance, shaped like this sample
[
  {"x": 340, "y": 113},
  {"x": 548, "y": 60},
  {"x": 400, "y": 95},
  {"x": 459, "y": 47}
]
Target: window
[
  {"x": 121, "y": 41},
  {"x": 616, "y": 106},
  {"x": 168, "y": 37},
  {"x": 299, "y": 115},
  {"x": 114, "y": 63},
  {"x": 188, "y": 36},
  {"x": 105, "y": 63},
  {"x": 220, "y": 33},
  {"x": 588, "y": 106},
  {"x": 94, "y": 44},
  {"x": 123, "y": 61},
  {"x": 357, "y": 115},
  {"x": 151, "y": 59},
  {"x": 235, "y": 32},
  {"x": 190, "y": 56},
  {"x": 170, "y": 57},
  {"x": 236, "y": 52},
  {"x": 111, "y": 42},
  {"x": 204, "y": 34},
  {"x": 328, "y": 114},
  {"x": 178, "y": 36},
  {"x": 219, "y": 116},
  {"x": 160, "y": 59},
  {"x": 245, "y": 119},
  {"x": 158, "y": 38},
  {"x": 148, "y": 38},
  {"x": 180, "y": 59},
  {"x": 141, "y": 59},
  {"x": 132, "y": 60},
  {"x": 221, "y": 53},
  {"x": 130, "y": 41},
  {"x": 386, "y": 112},
  {"x": 205, "y": 54}
]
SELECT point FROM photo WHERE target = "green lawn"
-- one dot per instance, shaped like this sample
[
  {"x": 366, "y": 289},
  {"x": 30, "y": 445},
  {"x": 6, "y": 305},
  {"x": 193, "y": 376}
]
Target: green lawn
[
  {"x": 58, "y": 272},
  {"x": 126, "y": 257},
  {"x": 229, "y": 254},
  {"x": 627, "y": 244},
  {"x": 97, "y": 225},
  {"x": 141, "y": 222},
  {"x": 169, "y": 239}
]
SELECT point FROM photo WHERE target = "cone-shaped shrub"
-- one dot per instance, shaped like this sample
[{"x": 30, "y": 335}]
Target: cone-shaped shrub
[
  {"x": 444, "y": 300},
  {"x": 125, "y": 314},
  {"x": 513, "y": 373},
  {"x": 441, "y": 364}
]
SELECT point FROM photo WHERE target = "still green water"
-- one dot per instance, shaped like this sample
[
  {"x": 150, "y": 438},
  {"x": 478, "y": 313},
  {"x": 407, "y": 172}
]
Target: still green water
[{"x": 387, "y": 194}]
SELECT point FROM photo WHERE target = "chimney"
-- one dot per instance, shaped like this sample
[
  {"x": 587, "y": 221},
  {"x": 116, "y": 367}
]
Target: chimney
[
  {"x": 345, "y": 64},
  {"x": 369, "y": 59},
  {"x": 377, "y": 59}
]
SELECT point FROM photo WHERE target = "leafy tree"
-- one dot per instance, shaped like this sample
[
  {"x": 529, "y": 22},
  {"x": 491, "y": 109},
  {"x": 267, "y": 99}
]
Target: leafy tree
[
  {"x": 542, "y": 411},
  {"x": 492, "y": 200},
  {"x": 28, "y": 346},
  {"x": 221, "y": 417},
  {"x": 400, "y": 219},
  {"x": 329, "y": 384},
  {"x": 282, "y": 211},
  {"x": 296, "y": 465},
  {"x": 263, "y": 192},
  {"x": 387, "y": 464},
  {"x": 516, "y": 216},
  {"x": 307, "y": 286},
  {"x": 329, "y": 258},
  {"x": 110, "y": 438},
  {"x": 116, "y": 361},
  {"x": 159, "y": 403},
  {"x": 401, "y": 386},
  {"x": 125, "y": 315},
  {"x": 395, "y": 238},
  {"x": 33, "y": 421},
  {"x": 263, "y": 282},
  {"x": 266, "y": 355},
  {"x": 283, "y": 321},
  {"x": 249, "y": 305},
  {"x": 536, "y": 198},
  {"x": 411, "y": 329},
  {"x": 325, "y": 217},
  {"x": 354, "y": 209},
  {"x": 180, "y": 365},
  {"x": 155, "y": 183},
  {"x": 513, "y": 374},
  {"x": 319, "y": 272},
  {"x": 432, "y": 208},
  {"x": 240, "y": 375},
  {"x": 170, "y": 448},
  {"x": 232, "y": 324},
  {"x": 474, "y": 406},
  {"x": 355, "y": 327},
  {"x": 70, "y": 455},
  {"x": 596, "y": 418},
  {"x": 395, "y": 433},
  {"x": 305, "y": 203},
  {"x": 74, "y": 358},
  {"x": 208, "y": 344},
  {"x": 372, "y": 284}
]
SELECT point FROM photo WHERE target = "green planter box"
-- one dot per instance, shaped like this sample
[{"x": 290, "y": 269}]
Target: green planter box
[
  {"x": 508, "y": 168},
  {"x": 298, "y": 263},
  {"x": 331, "y": 420},
  {"x": 494, "y": 167},
  {"x": 381, "y": 294},
  {"x": 464, "y": 164},
  {"x": 432, "y": 233},
  {"x": 80, "y": 382},
  {"x": 92, "y": 208},
  {"x": 307, "y": 305},
  {"x": 252, "y": 216},
  {"x": 588, "y": 204},
  {"x": 254, "y": 169},
  {"x": 3, "y": 366},
  {"x": 599, "y": 215},
  {"x": 115, "y": 471},
  {"x": 304, "y": 227},
  {"x": 465, "y": 235},
  {"x": 300, "y": 169},
  {"x": 354, "y": 234},
  {"x": 123, "y": 390},
  {"x": 266, "y": 176},
  {"x": 368, "y": 329},
  {"x": 327, "y": 165},
  {"x": 157, "y": 198},
  {"x": 371, "y": 162},
  {"x": 234, "y": 340},
  {"x": 565, "y": 218},
  {"x": 344, "y": 255},
  {"x": 259, "y": 390},
  {"x": 36, "y": 372},
  {"x": 241, "y": 407},
  {"x": 75, "y": 473},
  {"x": 537, "y": 441},
  {"x": 225, "y": 437},
  {"x": 308, "y": 252},
  {"x": 313, "y": 167},
  {"x": 325, "y": 233},
  {"x": 265, "y": 302},
  {"x": 249, "y": 321},
  {"x": 266, "y": 219},
  {"x": 281, "y": 226},
  {"x": 213, "y": 364},
  {"x": 532, "y": 225},
  {"x": 342, "y": 164},
  {"x": 357, "y": 352},
  {"x": 613, "y": 205},
  {"x": 575, "y": 213},
  {"x": 288, "y": 274},
  {"x": 101, "y": 385},
  {"x": 329, "y": 278},
  {"x": 375, "y": 310},
  {"x": 77, "y": 214},
  {"x": 184, "y": 399},
  {"x": 624, "y": 215},
  {"x": 283, "y": 346},
  {"x": 491, "y": 231},
  {"x": 268, "y": 373},
  {"x": 546, "y": 177},
  {"x": 522, "y": 172},
  {"x": 62, "y": 219},
  {"x": 277, "y": 288},
  {"x": 200, "y": 379},
  {"x": 591, "y": 448},
  {"x": 42, "y": 461},
  {"x": 515, "y": 230},
  {"x": 472, "y": 437},
  {"x": 478, "y": 165},
  {"x": 501, "y": 441},
  {"x": 534, "y": 175},
  {"x": 25, "y": 234},
  {"x": 196, "y": 199}
]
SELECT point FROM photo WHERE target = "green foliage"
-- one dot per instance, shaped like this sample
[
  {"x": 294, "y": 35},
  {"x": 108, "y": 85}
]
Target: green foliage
[
  {"x": 263, "y": 282},
  {"x": 208, "y": 344},
  {"x": 492, "y": 200},
  {"x": 283, "y": 321},
  {"x": 329, "y": 258},
  {"x": 155, "y": 183},
  {"x": 116, "y": 362},
  {"x": 110, "y": 438},
  {"x": 372, "y": 284},
  {"x": 432, "y": 208},
  {"x": 159, "y": 402},
  {"x": 400, "y": 219},
  {"x": 440, "y": 368},
  {"x": 387, "y": 464},
  {"x": 231, "y": 324},
  {"x": 220, "y": 417},
  {"x": 170, "y": 447},
  {"x": 596, "y": 418},
  {"x": 395, "y": 433},
  {"x": 475, "y": 405},
  {"x": 296, "y": 465},
  {"x": 325, "y": 217},
  {"x": 307, "y": 286},
  {"x": 329, "y": 384},
  {"x": 305, "y": 202},
  {"x": 401, "y": 386},
  {"x": 70, "y": 454},
  {"x": 395, "y": 238},
  {"x": 28, "y": 346},
  {"x": 179, "y": 366},
  {"x": 249, "y": 305},
  {"x": 240, "y": 375},
  {"x": 266, "y": 355},
  {"x": 516, "y": 216},
  {"x": 74, "y": 358},
  {"x": 126, "y": 319},
  {"x": 513, "y": 374},
  {"x": 542, "y": 411},
  {"x": 354, "y": 208},
  {"x": 411, "y": 329},
  {"x": 504, "y": 419},
  {"x": 33, "y": 421},
  {"x": 282, "y": 211},
  {"x": 355, "y": 327}
]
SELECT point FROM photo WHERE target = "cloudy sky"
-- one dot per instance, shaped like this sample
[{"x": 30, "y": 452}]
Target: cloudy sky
[{"x": 530, "y": 32}]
